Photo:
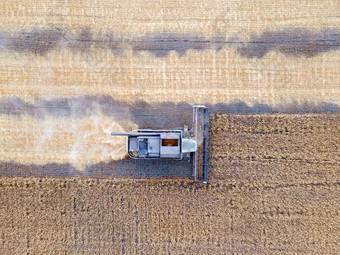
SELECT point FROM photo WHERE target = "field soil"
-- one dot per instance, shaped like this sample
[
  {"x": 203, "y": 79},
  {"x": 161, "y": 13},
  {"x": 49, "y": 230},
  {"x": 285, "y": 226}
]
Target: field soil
[{"x": 274, "y": 189}]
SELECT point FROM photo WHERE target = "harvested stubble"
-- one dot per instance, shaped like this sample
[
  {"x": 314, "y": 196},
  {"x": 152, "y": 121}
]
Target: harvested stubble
[
  {"x": 275, "y": 149},
  {"x": 274, "y": 189}
]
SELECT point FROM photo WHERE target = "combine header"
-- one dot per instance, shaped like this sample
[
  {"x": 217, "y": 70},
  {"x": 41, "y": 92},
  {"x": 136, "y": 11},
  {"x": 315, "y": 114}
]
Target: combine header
[
  {"x": 201, "y": 135},
  {"x": 179, "y": 143}
]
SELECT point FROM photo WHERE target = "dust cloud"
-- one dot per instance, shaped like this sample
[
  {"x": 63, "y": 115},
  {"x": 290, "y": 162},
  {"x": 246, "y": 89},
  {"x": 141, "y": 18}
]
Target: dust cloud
[
  {"x": 80, "y": 142},
  {"x": 291, "y": 41}
]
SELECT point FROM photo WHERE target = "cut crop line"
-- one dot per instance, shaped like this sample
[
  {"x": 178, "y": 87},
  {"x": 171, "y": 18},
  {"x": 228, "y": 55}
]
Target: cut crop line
[{"x": 287, "y": 185}]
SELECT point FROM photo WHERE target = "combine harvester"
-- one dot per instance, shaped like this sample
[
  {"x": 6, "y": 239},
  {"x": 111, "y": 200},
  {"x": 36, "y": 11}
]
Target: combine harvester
[{"x": 179, "y": 143}]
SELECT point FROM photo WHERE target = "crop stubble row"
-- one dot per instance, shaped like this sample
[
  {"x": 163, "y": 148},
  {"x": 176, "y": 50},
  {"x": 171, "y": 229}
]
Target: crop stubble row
[{"x": 275, "y": 149}]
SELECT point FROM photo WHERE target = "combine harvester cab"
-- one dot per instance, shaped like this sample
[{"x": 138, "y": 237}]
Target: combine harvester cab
[{"x": 178, "y": 144}]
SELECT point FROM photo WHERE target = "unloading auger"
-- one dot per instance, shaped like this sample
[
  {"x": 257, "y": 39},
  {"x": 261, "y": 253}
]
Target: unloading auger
[{"x": 178, "y": 144}]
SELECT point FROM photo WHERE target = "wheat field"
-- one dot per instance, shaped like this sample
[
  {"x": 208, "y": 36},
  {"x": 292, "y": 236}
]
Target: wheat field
[
  {"x": 278, "y": 195},
  {"x": 73, "y": 71}
]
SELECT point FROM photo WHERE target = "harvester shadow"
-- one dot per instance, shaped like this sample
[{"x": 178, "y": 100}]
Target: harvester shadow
[{"x": 122, "y": 168}]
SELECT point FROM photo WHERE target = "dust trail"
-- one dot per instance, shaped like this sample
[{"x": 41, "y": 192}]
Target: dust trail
[
  {"x": 293, "y": 41},
  {"x": 298, "y": 42},
  {"x": 162, "y": 43},
  {"x": 80, "y": 142},
  {"x": 41, "y": 40}
]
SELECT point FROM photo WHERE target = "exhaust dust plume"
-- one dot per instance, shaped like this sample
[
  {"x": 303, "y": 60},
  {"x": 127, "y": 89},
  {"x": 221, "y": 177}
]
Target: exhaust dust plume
[{"x": 80, "y": 142}]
